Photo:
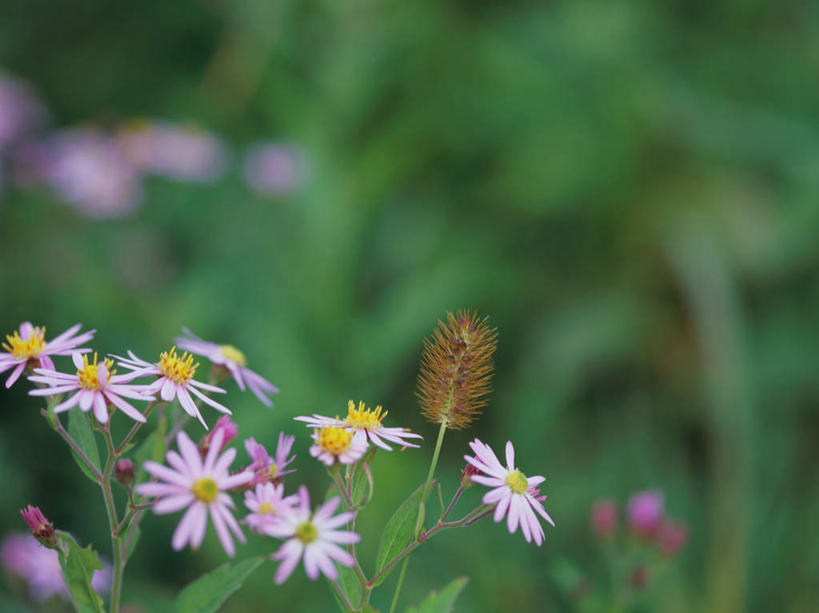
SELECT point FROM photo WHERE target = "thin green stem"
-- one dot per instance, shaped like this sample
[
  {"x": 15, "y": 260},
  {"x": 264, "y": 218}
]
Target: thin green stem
[
  {"x": 419, "y": 521},
  {"x": 135, "y": 428},
  {"x": 58, "y": 427},
  {"x": 111, "y": 510}
]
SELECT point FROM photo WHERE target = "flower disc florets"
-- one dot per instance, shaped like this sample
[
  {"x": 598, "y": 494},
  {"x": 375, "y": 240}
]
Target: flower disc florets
[
  {"x": 88, "y": 375},
  {"x": 232, "y": 354},
  {"x": 179, "y": 369},
  {"x": 25, "y": 348}
]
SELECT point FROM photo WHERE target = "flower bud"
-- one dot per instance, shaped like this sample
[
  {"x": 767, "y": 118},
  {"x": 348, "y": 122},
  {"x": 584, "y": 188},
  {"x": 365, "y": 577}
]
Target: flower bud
[
  {"x": 604, "y": 518},
  {"x": 645, "y": 512},
  {"x": 671, "y": 537},
  {"x": 124, "y": 471},
  {"x": 466, "y": 475},
  {"x": 229, "y": 430},
  {"x": 639, "y": 577},
  {"x": 41, "y": 528}
]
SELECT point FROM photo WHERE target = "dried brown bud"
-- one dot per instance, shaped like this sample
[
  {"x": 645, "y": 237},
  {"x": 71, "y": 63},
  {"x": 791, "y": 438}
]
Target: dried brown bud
[{"x": 456, "y": 370}]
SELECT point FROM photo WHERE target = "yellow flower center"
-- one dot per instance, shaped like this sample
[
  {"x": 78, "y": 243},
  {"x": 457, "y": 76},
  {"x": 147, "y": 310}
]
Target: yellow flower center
[
  {"x": 26, "y": 348},
  {"x": 234, "y": 355},
  {"x": 363, "y": 418},
  {"x": 517, "y": 482},
  {"x": 266, "y": 509},
  {"x": 335, "y": 440},
  {"x": 88, "y": 373},
  {"x": 205, "y": 489},
  {"x": 179, "y": 369},
  {"x": 273, "y": 470},
  {"x": 306, "y": 532}
]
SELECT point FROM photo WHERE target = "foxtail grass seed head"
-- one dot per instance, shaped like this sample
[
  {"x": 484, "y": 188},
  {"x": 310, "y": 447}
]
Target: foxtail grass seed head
[{"x": 456, "y": 370}]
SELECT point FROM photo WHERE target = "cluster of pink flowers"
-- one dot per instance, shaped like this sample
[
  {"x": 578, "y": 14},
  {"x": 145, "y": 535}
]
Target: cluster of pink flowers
[
  {"x": 100, "y": 172},
  {"x": 647, "y": 521}
]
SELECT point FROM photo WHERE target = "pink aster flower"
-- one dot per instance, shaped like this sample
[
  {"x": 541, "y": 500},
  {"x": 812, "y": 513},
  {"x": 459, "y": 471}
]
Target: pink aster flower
[
  {"x": 514, "y": 495},
  {"x": 200, "y": 486},
  {"x": 645, "y": 511},
  {"x": 671, "y": 536},
  {"x": 368, "y": 422},
  {"x": 28, "y": 346},
  {"x": 267, "y": 504},
  {"x": 233, "y": 360},
  {"x": 604, "y": 518},
  {"x": 338, "y": 444},
  {"x": 263, "y": 466},
  {"x": 96, "y": 385},
  {"x": 313, "y": 537},
  {"x": 26, "y": 559},
  {"x": 175, "y": 380}
]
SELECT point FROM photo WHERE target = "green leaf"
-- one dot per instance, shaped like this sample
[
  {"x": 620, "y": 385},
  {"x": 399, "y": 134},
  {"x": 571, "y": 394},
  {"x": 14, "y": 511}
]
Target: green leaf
[
  {"x": 207, "y": 593},
  {"x": 399, "y": 532},
  {"x": 349, "y": 584},
  {"x": 80, "y": 430},
  {"x": 361, "y": 484},
  {"x": 132, "y": 545},
  {"x": 443, "y": 601},
  {"x": 78, "y": 565}
]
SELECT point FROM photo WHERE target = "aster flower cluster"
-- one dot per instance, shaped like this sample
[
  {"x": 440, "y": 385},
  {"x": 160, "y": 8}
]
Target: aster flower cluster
[{"x": 100, "y": 172}]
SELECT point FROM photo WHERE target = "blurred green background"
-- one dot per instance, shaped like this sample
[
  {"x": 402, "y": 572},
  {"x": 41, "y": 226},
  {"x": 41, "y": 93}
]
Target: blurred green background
[{"x": 628, "y": 189}]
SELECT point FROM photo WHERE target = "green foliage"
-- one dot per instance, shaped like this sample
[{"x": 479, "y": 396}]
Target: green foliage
[
  {"x": 399, "y": 532},
  {"x": 443, "y": 601},
  {"x": 79, "y": 428},
  {"x": 211, "y": 590},
  {"x": 78, "y": 565}
]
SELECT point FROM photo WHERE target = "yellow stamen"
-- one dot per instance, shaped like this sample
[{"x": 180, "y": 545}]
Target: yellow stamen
[
  {"x": 179, "y": 369},
  {"x": 234, "y": 355},
  {"x": 266, "y": 509},
  {"x": 273, "y": 470},
  {"x": 517, "y": 482},
  {"x": 364, "y": 418},
  {"x": 205, "y": 489},
  {"x": 88, "y": 373},
  {"x": 25, "y": 348},
  {"x": 335, "y": 440},
  {"x": 306, "y": 532}
]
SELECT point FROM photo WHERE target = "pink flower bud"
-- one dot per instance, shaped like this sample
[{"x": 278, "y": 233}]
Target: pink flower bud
[
  {"x": 229, "y": 430},
  {"x": 124, "y": 471},
  {"x": 604, "y": 518},
  {"x": 645, "y": 512},
  {"x": 41, "y": 528},
  {"x": 671, "y": 537},
  {"x": 466, "y": 475}
]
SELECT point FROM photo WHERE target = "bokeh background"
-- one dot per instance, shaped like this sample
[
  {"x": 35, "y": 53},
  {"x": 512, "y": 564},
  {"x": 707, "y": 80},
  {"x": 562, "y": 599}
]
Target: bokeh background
[{"x": 627, "y": 189}]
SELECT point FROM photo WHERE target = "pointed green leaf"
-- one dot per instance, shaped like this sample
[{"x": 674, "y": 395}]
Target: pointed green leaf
[
  {"x": 210, "y": 591},
  {"x": 443, "y": 601},
  {"x": 399, "y": 532},
  {"x": 78, "y": 565},
  {"x": 80, "y": 430}
]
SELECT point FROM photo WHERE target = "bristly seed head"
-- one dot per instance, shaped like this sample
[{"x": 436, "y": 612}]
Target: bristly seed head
[
  {"x": 25, "y": 348},
  {"x": 456, "y": 370},
  {"x": 179, "y": 369}
]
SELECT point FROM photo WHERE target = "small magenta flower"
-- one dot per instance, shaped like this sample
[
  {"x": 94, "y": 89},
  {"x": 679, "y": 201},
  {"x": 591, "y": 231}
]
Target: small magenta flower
[
  {"x": 229, "y": 430},
  {"x": 671, "y": 537},
  {"x": 41, "y": 528},
  {"x": 199, "y": 486},
  {"x": 267, "y": 504},
  {"x": 124, "y": 471},
  {"x": 313, "y": 537},
  {"x": 233, "y": 360},
  {"x": 368, "y": 422},
  {"x": 95, "y": 384},
  {"x": 28, "y": 346},
  {"x": 338, "y": 444},
  {"x": 645, "y": 512},
  {"x": 263, "y": 466},
  {"x": 513, "y": 493},
  {"x": 175, "y": 380},
  {"x": 604, "y": 518}
]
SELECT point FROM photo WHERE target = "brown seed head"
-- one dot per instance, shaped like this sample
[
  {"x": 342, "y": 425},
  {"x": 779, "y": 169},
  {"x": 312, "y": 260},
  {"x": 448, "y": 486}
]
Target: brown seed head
[{"x": 456, "y": 370}]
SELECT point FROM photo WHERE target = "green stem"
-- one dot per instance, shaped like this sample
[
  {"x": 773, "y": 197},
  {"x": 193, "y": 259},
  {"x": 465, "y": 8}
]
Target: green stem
[
  {"x": 135, "y": 428},
  {"x": 58, "y": 427},
  {"x": 419, "y": 521},
  {"x": 111, "y": 510}
]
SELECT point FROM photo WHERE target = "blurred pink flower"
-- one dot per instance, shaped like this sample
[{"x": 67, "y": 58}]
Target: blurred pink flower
[
  {"x": 23, "y": 557},
  {"x": 263, "y": 466},
  {"x": 233, "y": 360},
  {"x": 28, "y": 346},
  {"x": 201, "y": 487},
  {"x": 514, "y": 494},
  {"x": 87, "y": 170},
  {"x": 313, "y": 537},
  {"x": 181, "y": 152},
  {"x": 267, "y": 504},
  {"x": 645, "y": 511},
  {"x": 229, "y": 430},
  {"x": 275, "y": 168},
  {"x": 671, "y": 537},
  {"x": 604, "y": 517},
  {"x": 20, "y": 111}
]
